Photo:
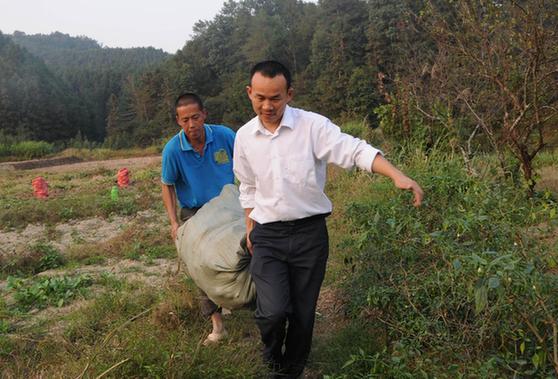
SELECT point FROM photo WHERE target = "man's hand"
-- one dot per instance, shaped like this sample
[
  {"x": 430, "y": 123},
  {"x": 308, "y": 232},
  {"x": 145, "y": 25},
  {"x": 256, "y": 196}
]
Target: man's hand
[
  {"x": 249, "y": 227},
  {"x": 405, "y": 183},
  {"x": 249, "y": 244},
  {"x": 381, "y": 166},
  {"x": 169, "y": 199},
  {"x": 174, "y": 230}
]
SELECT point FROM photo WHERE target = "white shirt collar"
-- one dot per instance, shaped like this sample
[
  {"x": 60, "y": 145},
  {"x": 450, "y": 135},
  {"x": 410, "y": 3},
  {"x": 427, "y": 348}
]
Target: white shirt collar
[{"x": 287, "y": 120}]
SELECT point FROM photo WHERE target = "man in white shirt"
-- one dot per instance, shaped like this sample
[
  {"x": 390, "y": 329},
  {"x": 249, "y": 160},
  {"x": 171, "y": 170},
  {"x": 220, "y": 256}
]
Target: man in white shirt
[{"x": 280, "y": 158}]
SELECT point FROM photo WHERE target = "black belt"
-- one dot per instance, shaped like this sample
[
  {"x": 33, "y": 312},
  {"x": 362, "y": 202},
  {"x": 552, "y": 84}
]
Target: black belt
[{"x": 300, "y": 221}]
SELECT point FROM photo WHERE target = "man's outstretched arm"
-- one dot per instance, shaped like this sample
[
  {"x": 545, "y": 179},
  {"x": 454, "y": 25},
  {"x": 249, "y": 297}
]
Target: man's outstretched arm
[{"x": 382, "y": 166}]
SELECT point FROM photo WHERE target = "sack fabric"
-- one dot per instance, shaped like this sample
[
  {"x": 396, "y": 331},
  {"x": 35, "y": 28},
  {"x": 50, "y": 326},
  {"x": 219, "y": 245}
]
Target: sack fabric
[{"x": 212, "y": 244}]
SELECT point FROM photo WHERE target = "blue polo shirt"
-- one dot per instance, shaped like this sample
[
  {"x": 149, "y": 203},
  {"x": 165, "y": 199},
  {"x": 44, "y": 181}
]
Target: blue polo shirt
[{"x": 198, "y": 179}]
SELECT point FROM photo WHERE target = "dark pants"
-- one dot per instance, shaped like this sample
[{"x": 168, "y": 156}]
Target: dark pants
[
  {"x": 288, "y": 268},
  {"x": 207, "y": 306}
]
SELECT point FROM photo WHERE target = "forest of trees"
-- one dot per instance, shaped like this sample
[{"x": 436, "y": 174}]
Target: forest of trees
[
  {"x": 56, "y": 86},
  {"x": 481, "y": 74},
  {"x": 34, "y": 103}
]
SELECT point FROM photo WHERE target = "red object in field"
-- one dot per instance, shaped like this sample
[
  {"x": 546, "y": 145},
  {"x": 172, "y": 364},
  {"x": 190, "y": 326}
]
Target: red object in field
[
  {"x": 40, "y": 187},
  {"x": 123, "y": 177}
]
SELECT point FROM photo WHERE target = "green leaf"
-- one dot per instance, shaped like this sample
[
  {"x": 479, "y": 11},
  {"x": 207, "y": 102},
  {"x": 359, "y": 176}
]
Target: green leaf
[
  {"x": 481, "y": 298},
  {"x": 522, "y": 347},
  {"x": 536, "y": 360},
  {"x": 457, "y": 264}
]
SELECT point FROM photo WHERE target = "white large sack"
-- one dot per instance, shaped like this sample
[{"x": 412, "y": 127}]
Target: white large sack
[{"x": 212, "y": 244}]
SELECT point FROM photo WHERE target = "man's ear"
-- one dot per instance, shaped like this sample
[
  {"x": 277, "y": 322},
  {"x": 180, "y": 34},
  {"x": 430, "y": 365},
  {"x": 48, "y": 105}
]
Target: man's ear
[
  {"x": 249, "y": 91},
  {"x": 290, "y": 94}
]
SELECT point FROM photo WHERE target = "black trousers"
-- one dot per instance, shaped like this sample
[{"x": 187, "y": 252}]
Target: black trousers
[{"x": 288, "y": 268}]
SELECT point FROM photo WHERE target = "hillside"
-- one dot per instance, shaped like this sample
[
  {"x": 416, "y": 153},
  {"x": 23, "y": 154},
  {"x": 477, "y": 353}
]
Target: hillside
[
  {"x": 90, "y": 72},
  {"x": 34, "y": 102}
]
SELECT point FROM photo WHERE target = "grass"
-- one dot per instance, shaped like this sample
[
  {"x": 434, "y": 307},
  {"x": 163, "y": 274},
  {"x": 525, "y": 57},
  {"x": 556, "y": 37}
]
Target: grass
[
  {"x": 25, "y": 150},
  {"x": 41, "y": 292},
  {"x": 163, "y": 340},
  {"x": 134, "y": 242},
  {"x": 397, "y": 276},
  {"x": 441, "y": 279},
  {"x": 75, "y": 195},
  {"x": 103, "y": 153},
  {"x": 41, "y": 256},
  {"x": 155, "y": 332}
]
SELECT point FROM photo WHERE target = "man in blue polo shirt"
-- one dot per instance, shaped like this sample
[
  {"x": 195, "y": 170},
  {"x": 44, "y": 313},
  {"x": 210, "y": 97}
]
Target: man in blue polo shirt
[{"x": 197, "y": 163}]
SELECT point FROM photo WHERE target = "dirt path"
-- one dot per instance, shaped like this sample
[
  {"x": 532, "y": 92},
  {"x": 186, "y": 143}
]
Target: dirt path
[{"x": 57, "y": 165}]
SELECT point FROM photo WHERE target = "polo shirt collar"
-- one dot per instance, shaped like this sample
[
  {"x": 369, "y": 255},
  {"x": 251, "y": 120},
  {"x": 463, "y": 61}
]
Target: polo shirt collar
[
  {"x": 185, "y": 145},
  {"x": 287, "y": 120}
]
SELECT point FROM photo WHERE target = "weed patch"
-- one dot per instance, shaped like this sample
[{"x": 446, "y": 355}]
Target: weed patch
[
  {"x": 41, "y": 292},
  {"x": 25, "y": 150},
  {"x": 457, "y": 282},
  {"x": 41, "y": 256}
]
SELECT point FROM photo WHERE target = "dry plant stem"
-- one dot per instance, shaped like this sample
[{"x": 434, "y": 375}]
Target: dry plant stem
[
  {"x": 84, "y": 371},
  {"x": 112, "y": 368},
  {"x": 196, "y": 352},
  {"x": 468, "y": 155},
  {"x": 555, "y": 345},
  {"x": 403, "y": 332},
  {"x": 109, "y": 336},
  {"x": 551, "y": 320},
  {"x": 489, "y": 134},
  {"x": 406, "y": 290},
  {"x": 541, "y": 339},
  {"x": 531, "y": 327}
]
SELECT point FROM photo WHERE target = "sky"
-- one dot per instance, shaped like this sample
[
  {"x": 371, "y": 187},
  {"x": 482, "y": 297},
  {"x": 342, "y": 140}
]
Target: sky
[{"x": 163, "y": 24}]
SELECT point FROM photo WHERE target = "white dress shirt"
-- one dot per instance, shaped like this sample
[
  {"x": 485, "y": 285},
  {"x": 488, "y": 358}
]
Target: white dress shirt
[{"x": 282, "y": 174}]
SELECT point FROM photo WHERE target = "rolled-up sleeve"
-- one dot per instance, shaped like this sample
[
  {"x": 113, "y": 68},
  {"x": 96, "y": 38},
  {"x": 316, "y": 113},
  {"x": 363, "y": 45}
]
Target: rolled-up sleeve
[
  {"x": 342, "y": 149},
  {"x": 245, "y": 176}
]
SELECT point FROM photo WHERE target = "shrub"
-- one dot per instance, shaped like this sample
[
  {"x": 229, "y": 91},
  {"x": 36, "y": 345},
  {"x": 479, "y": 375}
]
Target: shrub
[
  {"x": 465, "y": 278},
  {"x": 50, "y": 257},
  {"x": 27, "y": 149}
]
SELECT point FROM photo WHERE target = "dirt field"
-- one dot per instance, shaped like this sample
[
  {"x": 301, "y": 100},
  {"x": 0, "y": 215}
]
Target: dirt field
[{"x": 129, "y": 249}]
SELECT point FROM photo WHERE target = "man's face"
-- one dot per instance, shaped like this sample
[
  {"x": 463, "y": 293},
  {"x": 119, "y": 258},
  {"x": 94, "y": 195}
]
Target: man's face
[
  {"x": 191, "y": 119},
  {"x": 269, "y": 97}
]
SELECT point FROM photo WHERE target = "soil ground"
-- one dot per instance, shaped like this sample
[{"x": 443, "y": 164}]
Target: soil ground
[{"x": 155, "y": 272}]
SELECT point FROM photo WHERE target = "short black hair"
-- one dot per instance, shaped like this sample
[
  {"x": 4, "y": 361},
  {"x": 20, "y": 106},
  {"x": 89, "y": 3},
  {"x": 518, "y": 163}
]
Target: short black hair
[
  {"x": 271, "y": 69},
  {"x": 188, "y": 98}
]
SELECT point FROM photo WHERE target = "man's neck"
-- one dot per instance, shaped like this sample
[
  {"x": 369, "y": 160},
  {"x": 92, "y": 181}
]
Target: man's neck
[
  {"x": 271, "y": 127},
  {"x": 197, "y": 144}
]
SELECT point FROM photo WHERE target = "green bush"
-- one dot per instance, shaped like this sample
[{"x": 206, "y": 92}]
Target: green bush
[
  {"x": 356, "y": 129},
  {"x": 464, "y": 279},
  {"x": 50, "y": 257},
  {"x": 27, "y": 149}
]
